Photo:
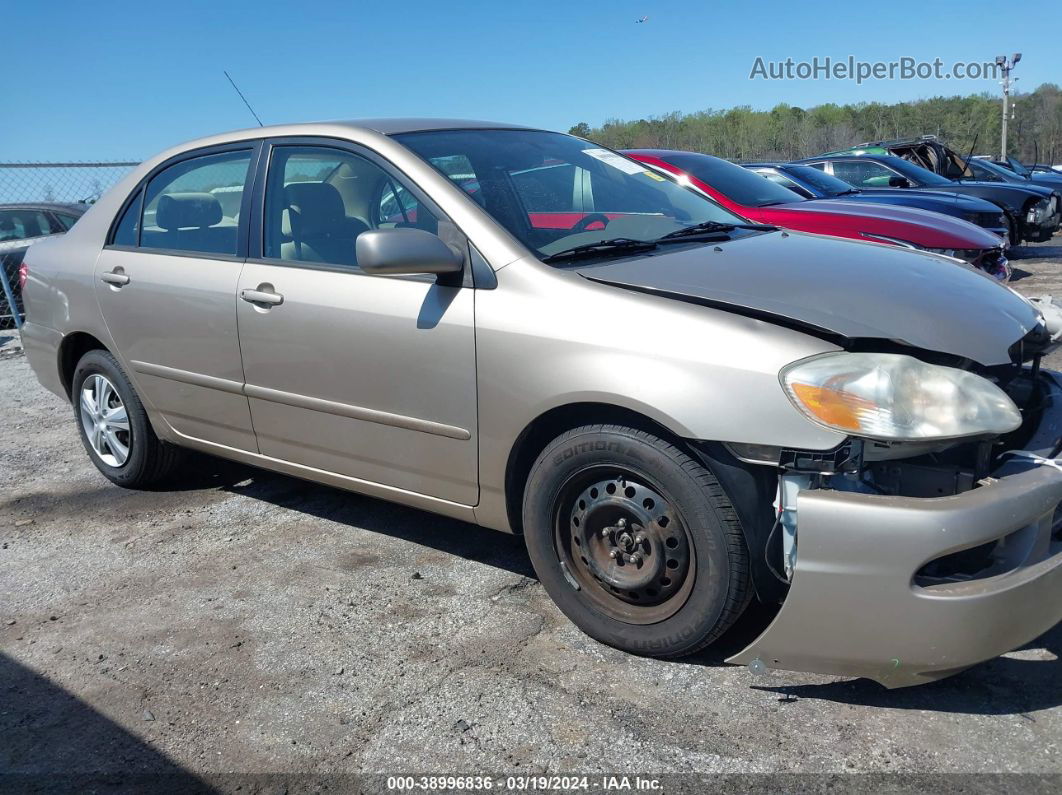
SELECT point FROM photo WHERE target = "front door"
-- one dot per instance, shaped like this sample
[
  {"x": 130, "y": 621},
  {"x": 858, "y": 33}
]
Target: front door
[
  {"x": 166, "y": 284},
  {"x": 368, "y": 376}
]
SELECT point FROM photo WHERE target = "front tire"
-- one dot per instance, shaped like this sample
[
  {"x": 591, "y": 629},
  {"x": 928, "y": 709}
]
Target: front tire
[
  {"x": 635, "y": 541},
  {"x": 114, "y": 426}
]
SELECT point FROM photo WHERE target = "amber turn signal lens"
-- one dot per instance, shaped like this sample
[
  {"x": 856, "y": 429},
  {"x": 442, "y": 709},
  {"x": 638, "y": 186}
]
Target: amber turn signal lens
[{"x": 831, "y": 406}]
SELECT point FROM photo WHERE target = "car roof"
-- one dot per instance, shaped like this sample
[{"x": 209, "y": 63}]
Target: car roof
[
  {"x": 364, "y": 127},
  {"x": 72, "y": 206},
  {"x": 663, "y": 153}
]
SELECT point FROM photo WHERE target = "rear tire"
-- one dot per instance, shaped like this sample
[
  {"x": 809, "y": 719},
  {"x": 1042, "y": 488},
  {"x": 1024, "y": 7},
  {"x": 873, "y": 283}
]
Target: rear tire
[
  {"x": 635, "y": 541},
  {"x": 114, "y": 426}
]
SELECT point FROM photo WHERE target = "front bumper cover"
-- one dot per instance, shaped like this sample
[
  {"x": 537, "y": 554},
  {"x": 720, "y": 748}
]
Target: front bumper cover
[{"x": 854, "y": 608}]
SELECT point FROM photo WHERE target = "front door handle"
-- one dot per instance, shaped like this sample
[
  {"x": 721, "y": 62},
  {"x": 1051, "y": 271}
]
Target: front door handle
[
  {"x": 115, "y": 278},
  {"x": 262, "y": 296}
]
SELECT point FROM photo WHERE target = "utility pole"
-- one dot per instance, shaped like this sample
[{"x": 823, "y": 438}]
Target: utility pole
[{"x": 1006, "y": 65}]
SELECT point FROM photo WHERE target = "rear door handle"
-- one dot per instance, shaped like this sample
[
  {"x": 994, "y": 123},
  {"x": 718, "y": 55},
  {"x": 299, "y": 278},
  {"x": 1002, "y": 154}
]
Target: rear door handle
[
  {"x": 116, "y": 278},
  {"x": 261, "y": 297}
]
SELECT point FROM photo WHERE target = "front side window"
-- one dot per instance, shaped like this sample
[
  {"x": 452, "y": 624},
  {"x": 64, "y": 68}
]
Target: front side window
[
  {"x": 553, "y": 191},
  {"x": 863, "y": 173},
  {"x": 188, "y": 206},
  {"x": 318, "y": 200}
]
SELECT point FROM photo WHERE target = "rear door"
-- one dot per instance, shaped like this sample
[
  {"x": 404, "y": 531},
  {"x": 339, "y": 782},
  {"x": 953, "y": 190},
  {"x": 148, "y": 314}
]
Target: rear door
[
  {"x": 166, "y": 284},
  {"x": 372, "y": 377}
]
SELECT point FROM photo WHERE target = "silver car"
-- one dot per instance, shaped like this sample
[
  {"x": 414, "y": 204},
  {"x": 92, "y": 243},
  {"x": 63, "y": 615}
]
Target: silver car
[{"x": 679, "y": 410}]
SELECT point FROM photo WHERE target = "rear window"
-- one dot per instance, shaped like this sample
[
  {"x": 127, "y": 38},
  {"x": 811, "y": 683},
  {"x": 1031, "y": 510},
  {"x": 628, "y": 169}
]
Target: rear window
[{"x": 736, "y": 183}]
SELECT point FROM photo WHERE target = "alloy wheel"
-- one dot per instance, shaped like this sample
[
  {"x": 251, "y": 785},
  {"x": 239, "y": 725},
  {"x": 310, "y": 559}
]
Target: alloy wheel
[{"x": 105, "y": 420}]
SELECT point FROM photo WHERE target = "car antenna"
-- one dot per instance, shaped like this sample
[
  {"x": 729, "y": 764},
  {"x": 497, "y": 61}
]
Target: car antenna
[
  {"x": 966, "y": 163},
  {"x": 245, "y": 102}
]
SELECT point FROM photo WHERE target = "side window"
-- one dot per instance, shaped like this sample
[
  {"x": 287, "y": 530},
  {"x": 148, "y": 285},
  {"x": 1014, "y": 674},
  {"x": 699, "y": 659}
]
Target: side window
[
  {"x": 396, "y": 207},
  {"x": 182, "y": 208},
  {"x": 11, "y": 227},
  {"x": 555, "y": 188},
  {"x": 318, "y": 201},
  {"x": 125, "y": 234},
  {"x": 862, "y": 173},
  {"x": 23, "y": 224},
  {"x": 67, "y": 220}
]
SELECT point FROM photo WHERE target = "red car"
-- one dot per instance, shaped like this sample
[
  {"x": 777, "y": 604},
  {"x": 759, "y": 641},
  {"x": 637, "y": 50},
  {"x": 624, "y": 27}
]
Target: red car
[{"x": 750, "y": 195}]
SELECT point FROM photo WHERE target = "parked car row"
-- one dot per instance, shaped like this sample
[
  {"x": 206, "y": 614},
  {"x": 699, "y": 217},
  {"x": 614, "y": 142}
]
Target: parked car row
[
  {"x": 967, "y": 230},
  {"x": 1032, "y": 202},
  {"x": 680, "y": 407}
]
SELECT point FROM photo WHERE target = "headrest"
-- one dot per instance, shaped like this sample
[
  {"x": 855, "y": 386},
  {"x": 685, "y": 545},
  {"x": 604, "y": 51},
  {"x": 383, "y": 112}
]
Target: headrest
[
  {"x": 183, "y": 210},
  {"x": 315, "y": 207}
]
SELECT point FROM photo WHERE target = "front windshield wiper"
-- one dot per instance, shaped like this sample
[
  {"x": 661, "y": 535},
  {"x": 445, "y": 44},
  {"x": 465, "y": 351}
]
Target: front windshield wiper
[
  {"x": 713, "y": 226},
  {"x": 848, "y": 192},
  {"x": 616, "y": 245}
]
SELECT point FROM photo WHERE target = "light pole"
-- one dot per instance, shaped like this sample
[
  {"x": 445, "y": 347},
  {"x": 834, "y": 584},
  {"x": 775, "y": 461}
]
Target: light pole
[{"x": 1006, "y": 66}]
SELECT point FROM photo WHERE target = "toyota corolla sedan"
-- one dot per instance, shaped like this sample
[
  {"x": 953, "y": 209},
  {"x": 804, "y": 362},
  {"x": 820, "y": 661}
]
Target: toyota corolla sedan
[
  {"x": 681, "y": 412},
  {"x": 750, "y": 196}
]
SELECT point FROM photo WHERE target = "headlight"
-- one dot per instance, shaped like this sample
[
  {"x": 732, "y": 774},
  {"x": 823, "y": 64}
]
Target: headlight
[
  {"x": 1039, "y": 211},
  {"x": 895, "y": 397}
]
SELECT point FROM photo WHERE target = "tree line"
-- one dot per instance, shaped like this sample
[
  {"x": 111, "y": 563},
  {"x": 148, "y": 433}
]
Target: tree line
[{"x": 787, "y": 132}]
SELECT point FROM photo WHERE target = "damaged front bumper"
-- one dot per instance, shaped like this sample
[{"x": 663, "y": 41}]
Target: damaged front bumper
[{"x": 859, "y": 604}]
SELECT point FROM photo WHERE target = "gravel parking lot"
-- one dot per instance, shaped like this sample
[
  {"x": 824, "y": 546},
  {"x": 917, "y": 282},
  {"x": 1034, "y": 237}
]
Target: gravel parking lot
[{"x": 245, "y": 622}]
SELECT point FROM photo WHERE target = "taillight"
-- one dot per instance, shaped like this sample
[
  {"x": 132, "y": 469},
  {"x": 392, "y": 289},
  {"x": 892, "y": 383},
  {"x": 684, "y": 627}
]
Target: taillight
[{"x": 23, "y": 276}]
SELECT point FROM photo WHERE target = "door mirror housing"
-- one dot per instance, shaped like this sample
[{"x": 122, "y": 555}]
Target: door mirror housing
[
  {"x": 899, "y": 182},
  {"x": 405, "y": 250}
]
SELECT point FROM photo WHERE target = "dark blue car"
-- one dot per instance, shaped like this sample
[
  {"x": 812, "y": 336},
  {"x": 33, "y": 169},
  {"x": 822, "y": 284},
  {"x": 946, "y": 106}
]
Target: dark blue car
[{"x": 811, "y": 183}]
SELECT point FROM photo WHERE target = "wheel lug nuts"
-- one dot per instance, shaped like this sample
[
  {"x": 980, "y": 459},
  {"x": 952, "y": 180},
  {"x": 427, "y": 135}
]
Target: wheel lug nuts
[
  {"x": 613, "y": 553},
  {"x": 622, "y": 523},
  {"x": 635, "y": 558},
  {"x": 639, "y": 539},
  {"x": 604, "y": 532}
]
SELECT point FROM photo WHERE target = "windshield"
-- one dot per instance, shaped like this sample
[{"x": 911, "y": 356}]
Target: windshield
[
  {"x": 1018, "y": 167},
  {"x": 736, "y": 183},
  {"x": 819, "y": 180},
  {"x": 985, "y": 170},
  {"x": 553, "y": 191}
]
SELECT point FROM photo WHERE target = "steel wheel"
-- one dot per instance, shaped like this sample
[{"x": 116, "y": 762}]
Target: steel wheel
[
  {"x": 624, "y": 545},
  {"x": 105, "y": 420}
]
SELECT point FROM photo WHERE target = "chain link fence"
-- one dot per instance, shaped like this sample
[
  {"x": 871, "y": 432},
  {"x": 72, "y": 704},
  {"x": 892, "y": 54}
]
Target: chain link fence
[{"x": 39, "y": 185}]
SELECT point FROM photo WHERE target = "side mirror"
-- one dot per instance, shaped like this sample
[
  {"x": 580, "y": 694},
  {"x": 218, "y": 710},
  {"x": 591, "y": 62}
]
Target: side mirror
[
  {"x": 405, "y": 250},
  {"x": 899, "y": 182}
]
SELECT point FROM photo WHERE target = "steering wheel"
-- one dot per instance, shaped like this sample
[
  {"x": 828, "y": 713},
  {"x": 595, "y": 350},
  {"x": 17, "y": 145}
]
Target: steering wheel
[{"x": 586, "y": 220}]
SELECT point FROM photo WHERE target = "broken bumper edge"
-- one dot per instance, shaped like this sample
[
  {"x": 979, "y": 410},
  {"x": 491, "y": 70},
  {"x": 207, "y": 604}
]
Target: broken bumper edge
[{"x": 855, "y": 608}]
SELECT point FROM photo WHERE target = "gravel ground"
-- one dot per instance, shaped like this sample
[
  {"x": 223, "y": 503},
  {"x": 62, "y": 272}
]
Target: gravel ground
[{"x": 245, "y": 622}]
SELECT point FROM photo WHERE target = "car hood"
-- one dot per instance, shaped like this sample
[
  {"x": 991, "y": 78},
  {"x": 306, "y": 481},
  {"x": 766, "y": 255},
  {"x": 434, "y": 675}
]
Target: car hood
[
  {"x": 839, "y": 288},
  {"x": 970, "y": 235},
  {"x": 970, "y": 203},
  {"x": 1039, "y": 190}
]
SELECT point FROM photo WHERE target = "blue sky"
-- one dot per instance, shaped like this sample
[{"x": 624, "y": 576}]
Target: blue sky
[{"x": 124, "y": 80}]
